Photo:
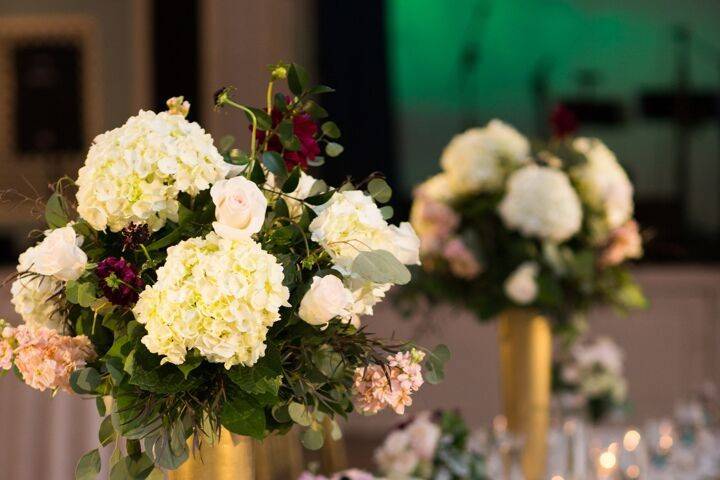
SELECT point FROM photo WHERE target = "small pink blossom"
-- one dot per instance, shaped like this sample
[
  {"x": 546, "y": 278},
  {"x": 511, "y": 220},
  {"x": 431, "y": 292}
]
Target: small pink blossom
[
  {"x": 6, "y": 354},
  {"x": 46, "y": 359},
  {"x": 377, "y": 388},
  {"x": 433, "y": 221},
  {"x": 461, "y": 260},
  {"x": 625, "y": 242}
]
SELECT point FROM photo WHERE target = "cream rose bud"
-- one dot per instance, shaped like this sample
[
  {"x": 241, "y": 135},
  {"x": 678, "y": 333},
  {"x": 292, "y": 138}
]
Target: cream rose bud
[
  {"x": 59, "y": 255},
  {"x": 239, "y": 208},
  {"x": 327, "y": 298},
  {"x": 521, "y": 286},
  {"x": 405, "y": 244}
]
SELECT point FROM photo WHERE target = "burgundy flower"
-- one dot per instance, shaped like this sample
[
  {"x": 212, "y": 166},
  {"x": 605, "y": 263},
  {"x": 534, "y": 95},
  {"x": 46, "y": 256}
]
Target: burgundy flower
[
  {"x": 119, "y": 281},
  {"x": 563, "y": 121},
  {"x": 304, "y": 129},
  {"x": 134, "y": 235}
]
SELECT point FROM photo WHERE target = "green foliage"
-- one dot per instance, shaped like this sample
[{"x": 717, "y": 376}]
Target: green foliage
[
  {"x": 56, "y": 211},
  {"x": 380, "y": 266},
  {"x": 88, "y": 467}
]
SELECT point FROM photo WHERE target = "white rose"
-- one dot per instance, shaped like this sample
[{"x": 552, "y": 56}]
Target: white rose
[
  {"x": 405, "y": 244},
  {"x": 521, "y": 286},
  {"x": 327, "y": 298},
  {"x": 239, "y": 208},
  {"x": 540, "y": 202},
  {"x": 58, "y": 255}
]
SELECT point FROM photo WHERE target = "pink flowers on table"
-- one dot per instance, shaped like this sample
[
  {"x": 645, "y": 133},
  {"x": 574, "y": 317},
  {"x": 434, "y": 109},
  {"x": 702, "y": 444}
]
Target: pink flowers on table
[
  {"x": 6, "y": 349},
  {"x": 377, "y": 388},
  {"x": 461, "y": 260},
  {"x": 625, "y": 242},
  {"x": 44, "y": 357}
]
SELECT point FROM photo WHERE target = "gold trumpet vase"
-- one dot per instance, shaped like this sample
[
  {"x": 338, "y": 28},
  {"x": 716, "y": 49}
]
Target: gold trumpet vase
[
  {"x": 226, "y": 459},
  {"x": 525, "y": 367}
]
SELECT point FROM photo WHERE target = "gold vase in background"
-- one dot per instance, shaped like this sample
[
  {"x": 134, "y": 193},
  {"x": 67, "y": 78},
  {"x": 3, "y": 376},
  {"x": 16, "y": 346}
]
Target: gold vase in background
[
  {"x": 227, "y": 459},
  {"x": 525, "y": 367}
]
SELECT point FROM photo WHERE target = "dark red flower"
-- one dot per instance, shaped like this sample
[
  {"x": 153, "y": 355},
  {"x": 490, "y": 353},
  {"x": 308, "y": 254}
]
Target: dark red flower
[
  {"x": 304, "y": 128},
  {"x": 134, "y": 235},
  {"x": 563, "y": 121},
  {"x": 119, "y": 281}
]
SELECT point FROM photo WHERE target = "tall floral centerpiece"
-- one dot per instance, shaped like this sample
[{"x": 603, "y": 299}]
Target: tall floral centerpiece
[
  {"x": 526, "y": 234},
  {"x": 199, "y": 292}
]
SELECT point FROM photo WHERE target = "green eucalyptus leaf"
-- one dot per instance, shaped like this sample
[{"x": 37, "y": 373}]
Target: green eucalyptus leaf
[
  {"x": 380, "y": 266},
  {"x": 106, "y": 434},
  {"x": 379, "y": 190},
  {"x": 274, "y": 162},
  {"x": 100, "y": 405},
  {"x": 285, "y": 130},
  {"x": 387, "y": 212},
  {"x": 316, "y": 162},
  {"x": 132, "y": 467},
  {"x": 292, "y": 181},
  {"x": 55, "y": 213},
  {"x": 315, "y": 110},
  {"x": 243, "y": 416},
  {"x": 333, "y": 149},
  {"x": 257, "y": 174},
  {"x": 319, "y": 89},
  {"x": 226, "y": 143},
  {"x": 281, "y": 209},
  {"x": 264, "y": 122},
  {"x": 320, "y": 198},
  {"x": 88, "y": 467},
  {"x": 312, "y": 439},
  {"x": 85, "y": 380},
  {"x": 299, "y": 414},
  {"x": 331, "y": 130},
  {"x": 297, "y": 78}
]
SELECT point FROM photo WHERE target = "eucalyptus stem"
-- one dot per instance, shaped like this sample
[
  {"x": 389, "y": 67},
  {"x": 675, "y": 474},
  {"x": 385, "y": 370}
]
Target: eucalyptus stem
[
  {"x": 269, "y": 97},
  {"x": 254, "y": 124}
]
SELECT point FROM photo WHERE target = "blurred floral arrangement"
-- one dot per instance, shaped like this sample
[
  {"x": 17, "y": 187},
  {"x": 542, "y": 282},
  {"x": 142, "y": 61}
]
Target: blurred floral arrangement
[
  {"x": 432, "y": 445},
  {"x": 509, "y": 224},
  {"x": 590, "y": 377},
  {"x": 202, "y": 288}
]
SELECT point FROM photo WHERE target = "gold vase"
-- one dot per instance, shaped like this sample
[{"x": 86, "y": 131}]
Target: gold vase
[
  {"x": 226, "y": 459},
  {"x": 525, "y": 367}
]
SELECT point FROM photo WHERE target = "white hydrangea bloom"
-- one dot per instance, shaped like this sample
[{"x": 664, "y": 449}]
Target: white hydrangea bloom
[
  {"x": 603, "y": 183},
  {"x": 479, "y": 159},
  {"x": 133, "y": 174},
  {"x": 541, "y": 202},
  {"x": 366, "y": 294},
  {"x": 521, "y": 286},
  {"x": 350, "y": 222},
  {"x": 217, "y": 295},
  {"x": 301, "y": 192},
  {"x": 32, "y": 298},
  {"x": 436, "y": 188}
]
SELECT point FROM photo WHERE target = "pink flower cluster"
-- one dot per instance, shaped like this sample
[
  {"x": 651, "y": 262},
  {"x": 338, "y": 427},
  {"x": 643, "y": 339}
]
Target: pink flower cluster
[
  {"x": 625, "y": 242},
  {"x": 45, "y": 358},
  {"x": 377, "y": 387},
  {"x": 436, "y": 224},
  {"x": 6, "y": 348}
]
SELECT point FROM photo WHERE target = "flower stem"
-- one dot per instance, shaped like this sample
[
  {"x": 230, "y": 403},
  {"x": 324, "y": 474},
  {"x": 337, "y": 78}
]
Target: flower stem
[{"x": 254, "y": 125}]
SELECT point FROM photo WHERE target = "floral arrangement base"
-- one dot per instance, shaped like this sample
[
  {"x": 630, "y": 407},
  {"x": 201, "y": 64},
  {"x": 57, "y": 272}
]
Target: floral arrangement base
[
  {"x": 228, "y": 458},
  {"x": 525, "y": 365}
]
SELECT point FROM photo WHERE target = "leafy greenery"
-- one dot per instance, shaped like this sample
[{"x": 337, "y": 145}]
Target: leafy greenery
[{"x": 305, "y": 377}]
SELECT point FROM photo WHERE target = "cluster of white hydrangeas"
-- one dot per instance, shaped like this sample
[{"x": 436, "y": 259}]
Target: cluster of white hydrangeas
[
  {"x": 214, "y": 294},
  {"x": 32, "y": 296},
  {"x": 603, "y": 183},
  {"x": 541, "y": 202},
  {"x": 350, "y": 223},
  {"x": 597, "y": 369},
  {"x": 479, "y": 159},
  {"x": 133, "y": 174}
]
